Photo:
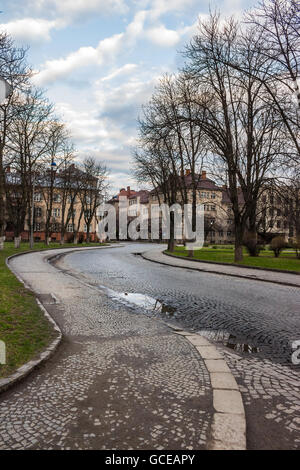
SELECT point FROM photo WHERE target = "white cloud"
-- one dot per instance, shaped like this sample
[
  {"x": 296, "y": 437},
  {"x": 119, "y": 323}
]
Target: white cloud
[
  {"x": 161, "y": 7},
  {"x": 59, "y": 68},
  {"x": 126, "y": 69},
  {"x": 106, "y": 51},
  {"x": 76, "y": 8},
  {"x": 162, "y": 36},
  {"x": 31, "y": 29}
]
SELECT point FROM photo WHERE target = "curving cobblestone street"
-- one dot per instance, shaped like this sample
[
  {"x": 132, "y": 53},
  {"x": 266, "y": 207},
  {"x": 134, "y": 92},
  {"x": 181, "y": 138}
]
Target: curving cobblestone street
[
  {"x": 253, "y": 323},
  {"x": 123, "y": 380},
  {"x": 120, "y": 380}
]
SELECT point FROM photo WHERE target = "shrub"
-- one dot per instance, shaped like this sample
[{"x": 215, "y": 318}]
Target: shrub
[
  {"x": 277, "y": 245},
  {"x": 215, "y": 247},
  {"x": 251, "y": 244},
  {"x": 296, "y": 246}
]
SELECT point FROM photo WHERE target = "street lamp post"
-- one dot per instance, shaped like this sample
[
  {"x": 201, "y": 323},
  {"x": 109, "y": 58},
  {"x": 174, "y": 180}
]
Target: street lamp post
[{"x": 31, "y": 241}]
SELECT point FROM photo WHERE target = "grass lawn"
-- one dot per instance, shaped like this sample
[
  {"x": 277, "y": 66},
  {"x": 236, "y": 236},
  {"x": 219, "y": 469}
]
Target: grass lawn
[
  {"x": 286, "y": 261},
  {"x": 23, "y": 326}
]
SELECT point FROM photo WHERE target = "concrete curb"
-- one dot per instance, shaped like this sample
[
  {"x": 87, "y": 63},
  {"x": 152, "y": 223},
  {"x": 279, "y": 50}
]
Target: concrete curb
[
  {"x": 242, "y": 266},
  {"x": 228, "y": 431},
  {"x": 209, "y": 271}
]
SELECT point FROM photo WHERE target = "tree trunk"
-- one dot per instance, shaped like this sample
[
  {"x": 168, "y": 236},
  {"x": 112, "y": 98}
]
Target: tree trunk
[
  {"x": 238, "y": 245},
  {"x": 62, "y": 239},
  {"x": 17, "y": 242},
  {"x": 2, "y": 201},
  {"x": 2, "y": 240},
  {"x": 171, "y": 241}
]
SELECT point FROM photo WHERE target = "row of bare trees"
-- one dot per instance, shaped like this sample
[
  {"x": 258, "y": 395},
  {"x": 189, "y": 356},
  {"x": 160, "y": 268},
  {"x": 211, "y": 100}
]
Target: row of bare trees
[
  {"x": 37, "y": 157},
  {"x": 234, "y": 107}
]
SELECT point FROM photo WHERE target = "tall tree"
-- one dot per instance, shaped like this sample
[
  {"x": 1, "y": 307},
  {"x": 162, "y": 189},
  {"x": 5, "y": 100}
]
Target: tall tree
[
  {"x": 14, "y": 70},
  {"x": 240, "y": 124}
]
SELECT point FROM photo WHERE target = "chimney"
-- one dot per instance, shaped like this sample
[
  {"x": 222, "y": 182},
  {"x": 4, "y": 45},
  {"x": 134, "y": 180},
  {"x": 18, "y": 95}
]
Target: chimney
[
  {"x": 187, "y": 172},
  {"x": 203, "y": 175}
]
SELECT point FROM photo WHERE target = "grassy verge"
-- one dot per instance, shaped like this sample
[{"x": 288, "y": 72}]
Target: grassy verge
[
  {"x": 287, "y": 260},
  {"x": 23, "y": 326}
]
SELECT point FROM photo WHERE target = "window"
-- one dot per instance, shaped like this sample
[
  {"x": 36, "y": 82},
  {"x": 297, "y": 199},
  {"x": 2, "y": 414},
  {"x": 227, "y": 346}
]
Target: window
[
  {"x": 38, "y": 211},
  {"x": 37, "y": 197},
  {"x": 56, "y": 212},
  {"x": 278, "y": 223},
  {"x": 85, "y": 228},
  {"x": 37, "y": 227},
  {"x": 213, "y": 195},
  {"x": 206, "y": 207},
  {"x": 264, "y": 199},
  {"x": 271, "y": 212},
  {"x": 229, "y": 234},
  {"x": 279, "y": 212},
  {"x": 221, "y": 233},
  {"x": 70, "y": 228},
  {"x": 56, "y": 197},
  {"x": 213, "y": 207},
  {"x": 212, "y": 221},
  {"x": 204, "y": 194},
  {"x": 132, "y": 201},
  {"x": 55, "y": 228}
]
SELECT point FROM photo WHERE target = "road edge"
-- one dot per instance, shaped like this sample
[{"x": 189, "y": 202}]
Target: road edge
[
  {"x": 240, "y": 276},
  {"x": 228, "y": 430}
]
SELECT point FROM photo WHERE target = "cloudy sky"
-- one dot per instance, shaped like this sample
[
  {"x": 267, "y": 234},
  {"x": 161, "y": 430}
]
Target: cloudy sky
[{"x": 98, "y": 61}]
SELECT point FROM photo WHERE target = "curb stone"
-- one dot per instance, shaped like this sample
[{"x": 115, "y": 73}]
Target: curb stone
[
  {"x": 228, "y": 431},
  {"x": 208, "y": 271},
  {"x": 29, "y": 366}
]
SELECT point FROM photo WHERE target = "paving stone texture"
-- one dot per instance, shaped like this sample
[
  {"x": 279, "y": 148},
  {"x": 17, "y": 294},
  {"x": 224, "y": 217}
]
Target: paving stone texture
[{"x": 120, "y": 380}]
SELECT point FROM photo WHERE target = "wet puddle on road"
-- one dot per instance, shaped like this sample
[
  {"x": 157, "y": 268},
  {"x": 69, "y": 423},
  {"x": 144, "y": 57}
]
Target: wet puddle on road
[
  {"x": 140, "y": 300},
  {"x": 155, "y": 306},
  {"x": 229, "y": 340}
]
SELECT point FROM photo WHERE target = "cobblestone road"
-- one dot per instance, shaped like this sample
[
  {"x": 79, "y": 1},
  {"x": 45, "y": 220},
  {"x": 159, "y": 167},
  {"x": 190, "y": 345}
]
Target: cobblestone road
[
  {"x": 256, "y": 321},
  {"x": 120, "y": 380}
]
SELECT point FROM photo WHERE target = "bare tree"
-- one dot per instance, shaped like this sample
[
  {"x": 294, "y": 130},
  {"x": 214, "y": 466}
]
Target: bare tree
[
  {"x": 240, "y": 124},
  {"x": 27, "y": 145},
  {"x": 14, "y": 70},
  {"x": 276, "y": 29},
  {"x": 93, "y": 183},
  {"x": 57, "y": 138}
]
